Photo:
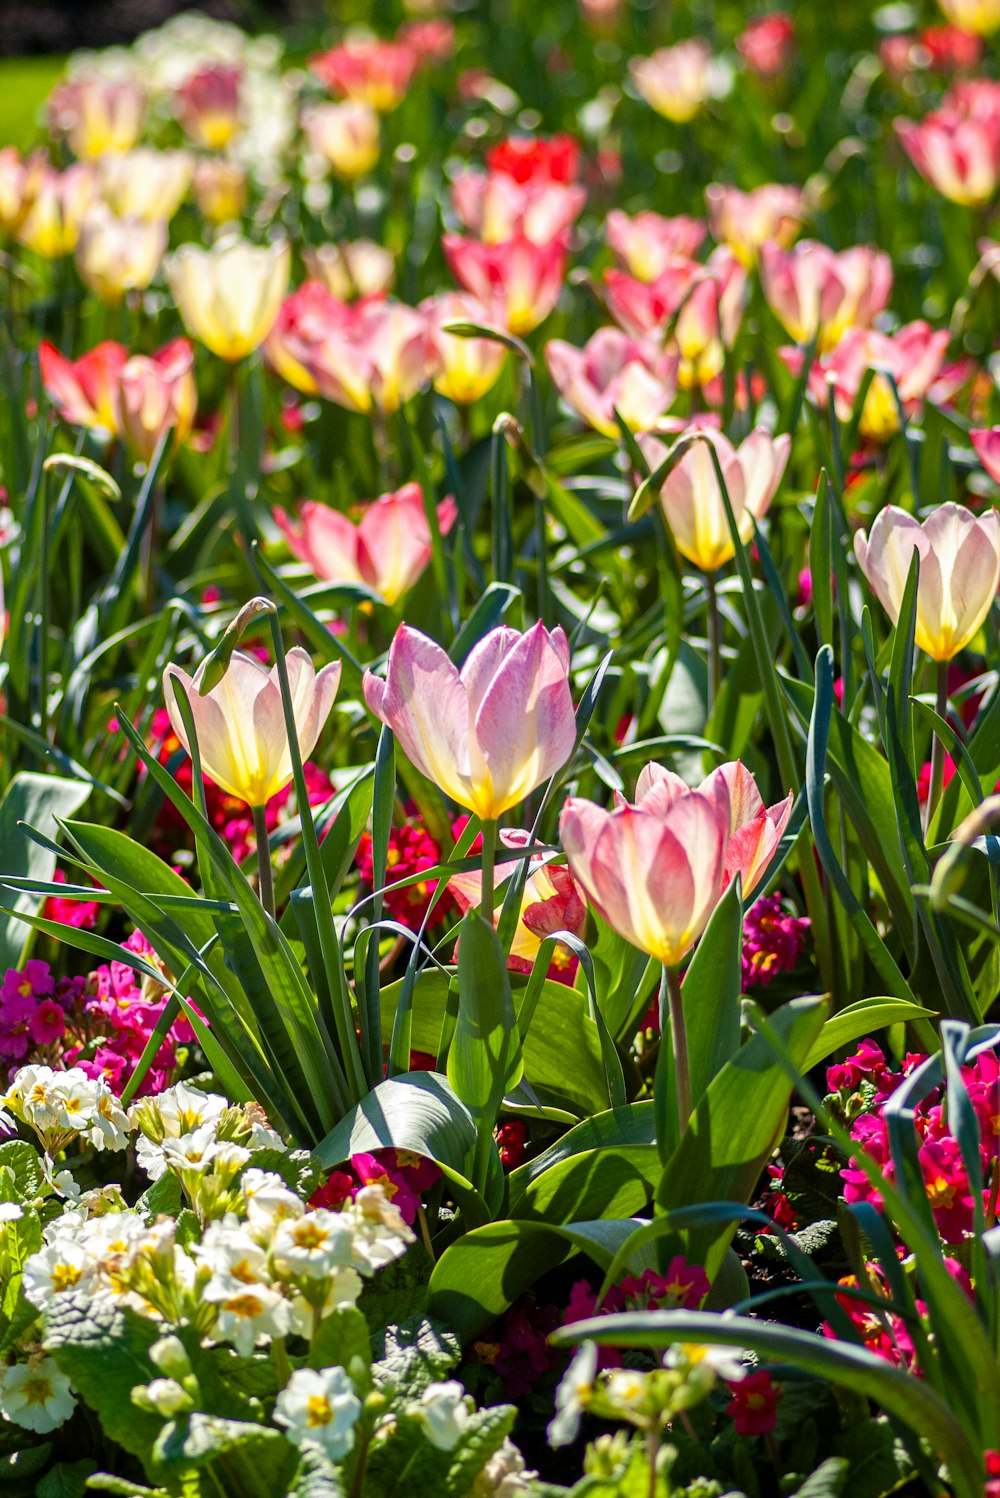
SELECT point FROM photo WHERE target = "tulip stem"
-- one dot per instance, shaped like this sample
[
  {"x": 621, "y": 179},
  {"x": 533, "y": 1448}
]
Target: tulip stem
[
  {"x": 671, "y": 1001},
  {"x": 714, "y": 632},
  {"x": 265, "y": 877},
  {"x": 489, "y": 833},
  {"x": 937, "y": 746}
]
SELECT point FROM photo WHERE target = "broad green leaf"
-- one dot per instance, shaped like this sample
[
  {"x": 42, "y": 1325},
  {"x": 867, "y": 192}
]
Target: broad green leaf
[
  {"x": 711, "y": 992},
  {"x": 412, "y": 1355},
  {"x": 861, "y": 1019},
  {"x": 254, "y": 1460}
]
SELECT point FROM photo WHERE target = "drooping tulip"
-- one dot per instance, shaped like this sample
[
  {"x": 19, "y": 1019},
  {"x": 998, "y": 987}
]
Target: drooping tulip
[
  {"x": 157, "y": 393},
  {"x": 754, "y": 830},
  {"x": 747, "y": 221},
  {"x": 647, "y": 243},
  {"x": 97, "y": 115},
  {"x": 676, "y": 80},
  {"x": 116, "y": 255},
  {"x": 654, "y": 876},
  {"x": 347, "y": 136},
  {"x": 387, "y": 550},
  {"x": 240, "y": 724},
  {"x": 527, "y": 276},
  {"x": 552, "y": 901},
  {"x": 959, "y": 571},
  {"x": 85, "y": 390},
  {"x": 464, "y": 368},
  {"x": 692, "y": 501},
  {"x": 488, "y": 734},
  {"x": 208, "y": 105},
  {"x": 146, "y": 183},
  {"x": 229, "y": 296},
  {"x": 613, "y": 372}
]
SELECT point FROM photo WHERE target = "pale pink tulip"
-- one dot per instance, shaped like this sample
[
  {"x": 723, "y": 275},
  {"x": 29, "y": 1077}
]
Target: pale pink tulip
[
  {"x": 676, "y": 80},
  {"x": 208, "y": 105},
  {"x": 644, "y": 308},
  {"x": 527, "y": 276},
  {"x": 97, "y": 115},
  {"x": 240, "y": 724},
  {"x": 552, "y": 901},
  {"x": 155, "y": 394},
  {"x": 986, "y": 441},
  {"x": 613, "y": 372},
  {"x": 386, "y": 551},
  {"x": 747, "y": 221},
  {"x": 959, "y": 571},
  {"x": 655, "y": 877},
  {"x": 647, "y": 243},
  {"x": 958, "y": 155},
  {"x": 358, "y": 268},
  {"x": 692, "y": 501},
  {"x": 489, "y": 734},
  {"x": 754, "y": 830},
  {"x": 816, "y": 292},
  {"x": 709, "y": 319},
  {"x": 495, "y": 208},
  {"x": 51, "y": 226},
  {"x": 368, "y": 71}
]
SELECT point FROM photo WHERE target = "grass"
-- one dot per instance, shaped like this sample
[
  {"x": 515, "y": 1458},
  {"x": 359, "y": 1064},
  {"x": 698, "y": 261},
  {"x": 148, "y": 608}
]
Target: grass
[{"x": 24, "y": 84}]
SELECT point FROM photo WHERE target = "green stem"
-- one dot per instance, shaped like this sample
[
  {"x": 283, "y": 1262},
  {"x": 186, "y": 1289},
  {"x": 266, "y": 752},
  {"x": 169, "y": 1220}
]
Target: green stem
[
  {"x": 279, "y": 1356},
  {"x": 265, "y": 875},
  {"x": 937, "y": 746},
  {"x": 489, "y": 830},
  {"x": 714, "y": 633},
  {"x": 670, "y": 991}
]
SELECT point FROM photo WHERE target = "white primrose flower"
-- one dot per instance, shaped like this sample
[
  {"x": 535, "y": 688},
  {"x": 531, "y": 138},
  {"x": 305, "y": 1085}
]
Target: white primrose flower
[
  {"x": 626, "y": 1388},
  {"x": 269, "y": 1202},
  {"x": 444, "y": 1413},
  {"x": 164, "y": 1395},
  {"x": 231, "y": 1254},
  {"x": 36, "y": 1395},
  {"x": 263, "y": 1137},
  {"x": 342, "y": 1288},
  {"x": 10, "y": 1212},
  {"x": 60, "y": 1182},
  {"x": 60, "y": 1105},
  {"x": 193, "y": 1152},
  {"x": 504, "y": 1476},
  {"x": 179, "y": 1110},
  {"x": 380, "y": 1234},
  {"x": 573, "y": 1395},
  {"x": 59, "y": 1267},
  {"x": 248, "y": 1314},
  {"x": 319, "y": 1409},
  {"x": 727, "y": 1363},
  {"x": 313, "y": 1245}
]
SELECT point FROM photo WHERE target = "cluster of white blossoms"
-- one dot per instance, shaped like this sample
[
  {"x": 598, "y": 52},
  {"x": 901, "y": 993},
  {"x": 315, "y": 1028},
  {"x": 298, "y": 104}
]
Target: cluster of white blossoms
[{"x": 62, "y": 1106}]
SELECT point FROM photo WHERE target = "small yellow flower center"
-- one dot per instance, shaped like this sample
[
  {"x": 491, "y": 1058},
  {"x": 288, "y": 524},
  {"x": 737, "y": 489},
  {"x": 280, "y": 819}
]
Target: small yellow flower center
[
  {"x": 319, "y": 1410},
  {"x": 64, "y": 1277}
]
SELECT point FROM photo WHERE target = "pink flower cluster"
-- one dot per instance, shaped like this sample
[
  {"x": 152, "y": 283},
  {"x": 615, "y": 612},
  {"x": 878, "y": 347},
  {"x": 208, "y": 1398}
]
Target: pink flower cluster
[
  {"x": 403, "y": 1176},
  {"x": 772, "y": 941},
  {"x": 949, "y": 1191},
  {"x": 684, "y": 1287},
  {"x": 100, "y": 1023}
]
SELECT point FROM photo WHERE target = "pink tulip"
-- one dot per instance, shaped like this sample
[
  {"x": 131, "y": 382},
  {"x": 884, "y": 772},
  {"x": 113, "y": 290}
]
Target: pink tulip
[
  {"x": 97, "y": 114},
  {"x": 387, "y": 551},
  {"x": 958, "y": 155},
  {"x": 747, "y": 221},
  {"x": 676, "y": 80},
  {"x": 464, "y": 368},
  {"x": 767, "y": 45},
  {"x": 85, "y": 390},
  {"x": 208, "y": 105},
  {"x": 489, "y": 734},
  {"x": 536, "y": 158},
  {"x": 986, "y": 441},
  {"x": 240, "y": 723},
  {"x": 959, "y": 571},
  {"x": 368, "y": 71},
  {"x": 155, "y": 394},
  {"x": 709, "y": 319},
  {"x": 528, "y": 276},
  {"x": 613, "y": 372},
  {"x": 552, "y": 900},
  {"x": 647, "y": 243},
  {"x": 754, "y": 831},
  {"x": 372, "y": 353},
  {"x": 654, "y": 876},
  {"x": 495, "y": 208},
  {"x": 914, "y": 356},
  {"x": 644, "y": 308},
  {"x": 816, "y": 292}
]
